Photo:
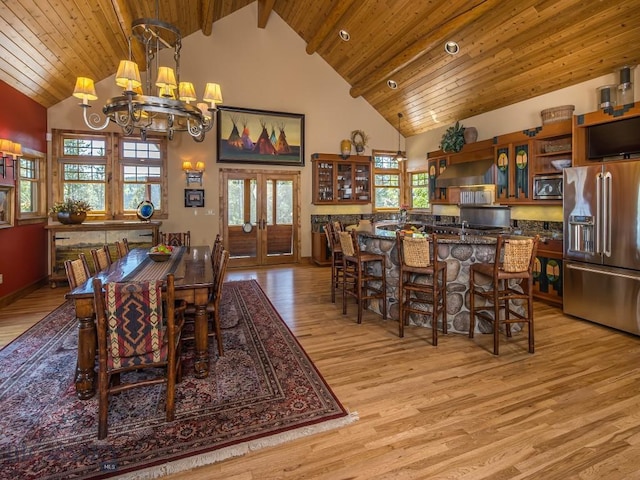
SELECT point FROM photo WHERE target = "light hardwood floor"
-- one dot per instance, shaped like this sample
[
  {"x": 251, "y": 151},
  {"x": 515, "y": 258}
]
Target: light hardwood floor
[{"x": 569, "y": 411}]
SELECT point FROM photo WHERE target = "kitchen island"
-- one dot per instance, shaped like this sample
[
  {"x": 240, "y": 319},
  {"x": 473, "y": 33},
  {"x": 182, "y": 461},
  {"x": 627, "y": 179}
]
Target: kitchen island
[{"x": 459, "y": 251}]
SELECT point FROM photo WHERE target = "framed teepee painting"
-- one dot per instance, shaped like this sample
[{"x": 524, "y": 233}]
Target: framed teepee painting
[{"x": 260, "y": 137}]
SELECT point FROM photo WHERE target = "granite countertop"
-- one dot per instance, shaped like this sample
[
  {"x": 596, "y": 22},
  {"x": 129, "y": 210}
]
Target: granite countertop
[{"x": 377, "y": 230}]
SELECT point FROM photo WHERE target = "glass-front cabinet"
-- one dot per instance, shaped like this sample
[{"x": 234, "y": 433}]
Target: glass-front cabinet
[{"x": 338, "y": 180}]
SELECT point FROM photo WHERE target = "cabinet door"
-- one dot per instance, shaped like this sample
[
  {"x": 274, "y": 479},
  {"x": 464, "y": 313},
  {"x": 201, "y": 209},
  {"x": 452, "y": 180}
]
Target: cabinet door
[
  {"x": 512, "y": 180},
  {"x": 324, "y": 177},
  {"x": 362, "y": 182},
  {"x": 436, "y": 167},
  {"x": 345, "y": 181}
]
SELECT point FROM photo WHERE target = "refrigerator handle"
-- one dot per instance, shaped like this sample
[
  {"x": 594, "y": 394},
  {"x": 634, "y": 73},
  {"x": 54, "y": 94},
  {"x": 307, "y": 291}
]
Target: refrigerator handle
[
  {"x": 606, "y": 210},
  {"x": 599, "y": 214}
]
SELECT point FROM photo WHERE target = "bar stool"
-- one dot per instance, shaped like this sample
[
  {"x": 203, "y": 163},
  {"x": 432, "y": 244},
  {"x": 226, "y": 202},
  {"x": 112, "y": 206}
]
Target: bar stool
[
  {"x": 337, "y": 277},
  {"x": 514, "y": 259},
  {"x": 361, "y": 278},
  {"x": 419, "y": 262}
]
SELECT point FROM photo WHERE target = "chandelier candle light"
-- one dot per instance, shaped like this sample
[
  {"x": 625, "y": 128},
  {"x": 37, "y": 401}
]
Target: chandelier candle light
[{"x": 140, "y": 110}]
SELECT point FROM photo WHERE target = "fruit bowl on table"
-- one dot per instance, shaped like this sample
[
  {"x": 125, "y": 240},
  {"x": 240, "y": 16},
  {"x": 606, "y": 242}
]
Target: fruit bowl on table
[{"x": 159, "y": 256}]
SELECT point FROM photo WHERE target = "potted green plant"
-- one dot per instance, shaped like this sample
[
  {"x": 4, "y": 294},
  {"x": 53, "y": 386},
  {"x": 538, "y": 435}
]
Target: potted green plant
[
  {"x": 453, "y": 139},
  {"x": 70, "y": 211}
]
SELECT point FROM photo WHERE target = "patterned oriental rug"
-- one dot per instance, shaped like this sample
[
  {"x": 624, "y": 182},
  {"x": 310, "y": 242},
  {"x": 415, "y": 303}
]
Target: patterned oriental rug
[{"x": 265, "y": 390}]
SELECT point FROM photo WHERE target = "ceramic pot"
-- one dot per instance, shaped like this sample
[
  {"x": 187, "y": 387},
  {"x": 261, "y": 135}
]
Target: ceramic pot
[
  {"x": 67, "y": 218},
  {"x": 470, "y": 134},
  {"x": 345, "y": 148}
]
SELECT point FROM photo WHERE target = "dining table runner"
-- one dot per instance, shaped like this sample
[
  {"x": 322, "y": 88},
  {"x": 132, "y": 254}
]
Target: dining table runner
[{"x": 149, "y": 270}]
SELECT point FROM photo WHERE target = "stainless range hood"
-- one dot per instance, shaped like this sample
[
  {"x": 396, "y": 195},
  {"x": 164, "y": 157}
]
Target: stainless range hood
[{"x": 468, "y": 173}]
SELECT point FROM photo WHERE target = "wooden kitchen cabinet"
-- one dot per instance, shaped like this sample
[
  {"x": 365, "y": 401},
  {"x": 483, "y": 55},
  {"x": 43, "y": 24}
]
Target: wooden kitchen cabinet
[
  {"x": 341, "y": 181},
  {"x": 553, "y": 144},
  {"x": 320, "y": 251},
  {"x": 513, "y": 184},
  {"x": 547, "y": 272},
  {"x": 67, "y": 241},
  {"x": 436, "y": 166}
]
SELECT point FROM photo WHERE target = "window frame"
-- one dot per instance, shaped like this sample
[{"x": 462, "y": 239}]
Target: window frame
[
  {"x": 411, "y": 186},
  {"x": 161, "y": 210},
  {"x": 387, "y": 171},
  {"x": 114, "y": 171},
  {"x": 41, "y": 212}
]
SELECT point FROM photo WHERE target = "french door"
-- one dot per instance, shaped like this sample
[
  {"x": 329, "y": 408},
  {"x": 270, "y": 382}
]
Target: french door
[{"x": 260, "y": 216}]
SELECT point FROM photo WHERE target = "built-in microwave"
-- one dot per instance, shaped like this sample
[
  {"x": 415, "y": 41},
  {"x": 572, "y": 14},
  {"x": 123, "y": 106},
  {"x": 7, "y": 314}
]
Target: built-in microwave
[{"x": 547, "y": 187}]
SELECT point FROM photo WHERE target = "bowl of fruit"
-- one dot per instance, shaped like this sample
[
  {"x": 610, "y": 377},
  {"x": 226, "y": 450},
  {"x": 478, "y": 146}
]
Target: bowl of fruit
[{"x": 160, "y": 253}]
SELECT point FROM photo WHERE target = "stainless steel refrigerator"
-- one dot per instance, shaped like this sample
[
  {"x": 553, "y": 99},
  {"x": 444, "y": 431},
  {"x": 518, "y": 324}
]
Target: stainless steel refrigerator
[{"x": 602, "y": 244}]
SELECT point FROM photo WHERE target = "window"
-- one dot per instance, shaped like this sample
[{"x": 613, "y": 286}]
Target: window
[
  {"x": 419, "y": 190},
  {"x": 31, "y": 187},
  {"x": 141, "y": 174},
  {"x": 111, "y": 172},
  {"x": 387, "y": 181}
]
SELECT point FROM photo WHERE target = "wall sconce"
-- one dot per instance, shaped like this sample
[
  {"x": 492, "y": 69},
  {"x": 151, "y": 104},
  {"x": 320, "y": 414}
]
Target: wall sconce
[
  {"x": 9, "y": 149},
  {"x": 194, "y": 175}
]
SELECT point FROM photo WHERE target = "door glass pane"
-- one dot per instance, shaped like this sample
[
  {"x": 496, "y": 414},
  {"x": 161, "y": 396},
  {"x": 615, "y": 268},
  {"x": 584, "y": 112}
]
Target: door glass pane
[
  {"x": 269, "y": 202},
  {"x": 242, "y": 242},
  {"x": 284, "y": 202},
  {"x": 280, "y": 208}
]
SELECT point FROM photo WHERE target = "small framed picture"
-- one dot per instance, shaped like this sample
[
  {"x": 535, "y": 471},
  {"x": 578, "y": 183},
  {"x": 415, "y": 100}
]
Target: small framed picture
[
  {"x": 193, "y": 197},
  {"x": 6, "y": 207}
]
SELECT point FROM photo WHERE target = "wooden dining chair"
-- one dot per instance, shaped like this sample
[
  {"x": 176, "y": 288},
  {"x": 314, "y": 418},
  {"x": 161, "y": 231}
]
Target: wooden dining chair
[
  {"x": 139, "y": 328},
  {"x": 121, "y": 249},
  {"x": 176, "y": 239},
  {"x": 101, "y": 258},
  {"x": 213, "y": 306},
  {"x": 77, "y": 271}
]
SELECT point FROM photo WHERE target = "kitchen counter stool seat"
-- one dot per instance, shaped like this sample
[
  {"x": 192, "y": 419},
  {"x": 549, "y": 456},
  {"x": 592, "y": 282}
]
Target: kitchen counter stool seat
[
  {"x": 514, "y": 259},
  {"x": 364, "y": 275},
  {"x": 332, "y": 231},
  {"x": 422, "y": 282}
]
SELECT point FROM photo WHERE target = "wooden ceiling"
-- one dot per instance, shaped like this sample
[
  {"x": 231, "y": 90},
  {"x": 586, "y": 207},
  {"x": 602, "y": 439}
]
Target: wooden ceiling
[{"x": 510, "y": 50}]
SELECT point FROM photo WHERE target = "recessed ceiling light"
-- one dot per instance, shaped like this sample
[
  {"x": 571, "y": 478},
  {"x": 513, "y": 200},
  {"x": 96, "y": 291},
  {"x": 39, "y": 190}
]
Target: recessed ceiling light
[
  {"x": 392, "y": 84},
  {"x": 344, "y": 35},
  {"x": 451, "y": 47}
]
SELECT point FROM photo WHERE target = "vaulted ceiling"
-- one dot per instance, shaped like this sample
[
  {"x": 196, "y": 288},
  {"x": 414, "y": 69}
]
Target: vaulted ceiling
[{"x": 510, "y": 50}]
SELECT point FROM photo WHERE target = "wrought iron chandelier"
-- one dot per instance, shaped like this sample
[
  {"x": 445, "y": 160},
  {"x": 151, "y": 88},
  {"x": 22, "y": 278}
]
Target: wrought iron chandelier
[{"x": 138, "y": 110}]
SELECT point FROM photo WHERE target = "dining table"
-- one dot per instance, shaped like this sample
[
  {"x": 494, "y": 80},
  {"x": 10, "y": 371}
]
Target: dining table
[{"x": 193, "y": 273}]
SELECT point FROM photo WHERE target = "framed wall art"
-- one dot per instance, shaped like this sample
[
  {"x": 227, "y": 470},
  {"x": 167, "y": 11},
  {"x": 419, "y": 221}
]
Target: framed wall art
[
  {"x": 6, "y": 207},
  {"x": 193, "y": 197},
  {"x": 260, "y": 137}
]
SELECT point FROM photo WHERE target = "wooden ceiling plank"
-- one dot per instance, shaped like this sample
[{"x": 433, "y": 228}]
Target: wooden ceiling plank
[
  {"x": 543, "y": 53},
  {"x": 328, "y": 25},
  {"x": 265, "y": 7},
  {"x": 418, "y": 49}
]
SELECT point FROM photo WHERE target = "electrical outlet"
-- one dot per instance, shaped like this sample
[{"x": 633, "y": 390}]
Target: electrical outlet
[{"x": 1, "y": 278}]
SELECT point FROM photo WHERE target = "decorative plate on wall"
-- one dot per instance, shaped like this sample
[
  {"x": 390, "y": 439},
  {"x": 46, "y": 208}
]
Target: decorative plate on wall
[{"x": 145, "y": 210}]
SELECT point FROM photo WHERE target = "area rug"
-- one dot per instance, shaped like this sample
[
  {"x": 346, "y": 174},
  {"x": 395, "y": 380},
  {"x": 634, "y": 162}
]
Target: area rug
[{"x": 264, "y": 390}]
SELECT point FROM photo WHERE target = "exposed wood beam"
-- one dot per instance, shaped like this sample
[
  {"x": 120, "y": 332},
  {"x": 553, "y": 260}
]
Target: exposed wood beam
[
  {"x": 208, "y": 10},
  {"x": 328, "y": 25},
  {"x": 420, "y": 48},
  {"x": 125, "y": 19},
  {"x": 264, "y": 10}
]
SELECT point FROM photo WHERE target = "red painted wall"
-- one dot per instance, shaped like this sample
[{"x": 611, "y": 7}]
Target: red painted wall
[{"x": 23, "y": 249}]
